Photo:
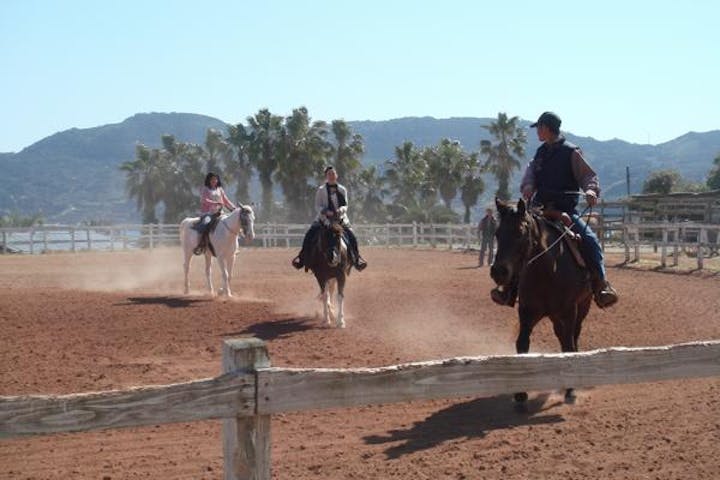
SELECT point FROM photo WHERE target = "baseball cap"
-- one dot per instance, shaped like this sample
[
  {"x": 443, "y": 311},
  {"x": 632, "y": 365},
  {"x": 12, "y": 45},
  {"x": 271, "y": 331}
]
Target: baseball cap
[{"x": 548, "y": 119}]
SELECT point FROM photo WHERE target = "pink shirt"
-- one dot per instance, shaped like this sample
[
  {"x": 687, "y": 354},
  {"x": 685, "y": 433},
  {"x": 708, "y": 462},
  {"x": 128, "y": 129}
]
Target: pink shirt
[{"x": 212, "y": 200}]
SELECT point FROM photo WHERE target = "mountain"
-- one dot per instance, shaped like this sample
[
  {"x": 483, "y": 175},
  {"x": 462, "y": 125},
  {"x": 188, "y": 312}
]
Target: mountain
[{"x": 74, "y": 175}]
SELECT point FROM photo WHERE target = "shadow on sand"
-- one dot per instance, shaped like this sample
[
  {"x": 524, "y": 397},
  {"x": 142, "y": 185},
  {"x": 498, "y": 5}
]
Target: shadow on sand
[
  {"x": 172, "y": 302},
  {"x": 473, "y": 419},
  {"x": 272, "y": 329}
]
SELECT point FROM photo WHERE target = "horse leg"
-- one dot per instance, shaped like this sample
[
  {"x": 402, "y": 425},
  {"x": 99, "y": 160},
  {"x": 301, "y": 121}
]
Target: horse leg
[
  {"x": 340, "y": 301},
  {"x": 186, "y": 268},
  {"x": 223, "y": 266},
  {"x": 328, "y": 292},
  {"x": 230, "y": 263},
  {"x": 528, "y": 320},
  {"x": 208, "y": 276},
  {"x": 566, "y": 330}
]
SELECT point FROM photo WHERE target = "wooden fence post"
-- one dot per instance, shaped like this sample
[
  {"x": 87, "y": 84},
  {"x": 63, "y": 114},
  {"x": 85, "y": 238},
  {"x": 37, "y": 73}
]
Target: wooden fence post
[
  {"x": 89, "y": 239},
  {"x": 415, "y": 234},
  {"x": 663, "y": 251},
  {"x": 246, "y": 440},
  {"x": 702, "y": 241},
  {"x": 72, "y": 238},
  {"x": 32, "y": 241}
]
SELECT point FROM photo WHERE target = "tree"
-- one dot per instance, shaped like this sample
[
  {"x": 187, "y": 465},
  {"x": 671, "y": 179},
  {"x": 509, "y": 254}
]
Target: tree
[
  {"x": 239, "y": 164},
  {"x": 713, "y": 179},
  {"x": 144, "y": 181},
  {"x": 369, "y": 193},
  {"x": 347, "y": 149},
  {"x": 405, "y": 175},
  {"x": 217, "y": 153},
  {"x": 182, "y": 167},
  {"x": 446, "y": 163},
  {"x": 472, "y": 184},
  {"x": 303, "y": 151},
  {"x": 662, "y": 181},
  {"x": 264, "y": 143},
  {"x": 504, "y": 155}
]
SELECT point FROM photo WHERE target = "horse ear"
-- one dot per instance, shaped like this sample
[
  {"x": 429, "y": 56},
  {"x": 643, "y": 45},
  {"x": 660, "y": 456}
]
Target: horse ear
[
  {"x": 501, "y": 206},
  {"x": 521, "y": 206}
]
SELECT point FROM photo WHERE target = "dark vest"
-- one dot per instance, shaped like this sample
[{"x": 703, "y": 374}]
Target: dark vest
[
  {"x": 552, "y": 169},
  {"x": 340, "y": 197}
]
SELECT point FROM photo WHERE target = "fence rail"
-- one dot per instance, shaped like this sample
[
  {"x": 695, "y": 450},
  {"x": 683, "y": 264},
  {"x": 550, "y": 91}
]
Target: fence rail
[
  {"x": 697, "y": 240},
  {"x": 250, "y": 391}
]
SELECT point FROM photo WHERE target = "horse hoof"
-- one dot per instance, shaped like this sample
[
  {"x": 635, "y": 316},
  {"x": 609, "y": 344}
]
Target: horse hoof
[{"x": 341, "y": 324}]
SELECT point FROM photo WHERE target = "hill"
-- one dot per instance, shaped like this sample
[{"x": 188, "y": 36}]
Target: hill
[{"x": 73, "y": 175}]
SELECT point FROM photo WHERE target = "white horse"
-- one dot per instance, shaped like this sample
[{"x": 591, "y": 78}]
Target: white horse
[{"x": 240, "y": 222}]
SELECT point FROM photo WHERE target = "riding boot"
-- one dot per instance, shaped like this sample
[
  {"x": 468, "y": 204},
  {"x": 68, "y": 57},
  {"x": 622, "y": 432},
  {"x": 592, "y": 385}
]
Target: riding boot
[
  {"x": 301, "y": 259},
  {"x": 202, "y": 245},
  {"x": 358, "y": 262},
  {"x": 603, "y": 293}
]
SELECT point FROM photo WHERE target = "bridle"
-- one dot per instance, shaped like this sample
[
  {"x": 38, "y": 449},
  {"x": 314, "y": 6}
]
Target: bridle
[{"x": 243, "y": 223}]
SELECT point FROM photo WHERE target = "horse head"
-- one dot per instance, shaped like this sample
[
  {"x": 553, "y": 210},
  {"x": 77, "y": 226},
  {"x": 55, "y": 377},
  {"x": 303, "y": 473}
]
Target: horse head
[
  {"x": 247, "y": 222},
  {"x": 514, "y": 240},
  {"x": 246, "y": 219}
]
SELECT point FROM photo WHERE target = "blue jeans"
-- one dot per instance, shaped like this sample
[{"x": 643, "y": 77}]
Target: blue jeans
[{"x": 590, "y": 245}]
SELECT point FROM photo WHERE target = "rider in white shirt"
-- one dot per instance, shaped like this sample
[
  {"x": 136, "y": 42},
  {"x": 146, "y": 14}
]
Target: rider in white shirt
[{"x": 331, "y": 205}]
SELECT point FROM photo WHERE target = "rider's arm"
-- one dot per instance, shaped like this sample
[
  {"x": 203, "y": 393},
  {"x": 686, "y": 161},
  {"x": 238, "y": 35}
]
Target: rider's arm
[
  {"x": 225, "y": 200},
  {"x": 527, "y": 184},
  {"x": 343, "y": 210},
  {"x": 585, "y": 175}
]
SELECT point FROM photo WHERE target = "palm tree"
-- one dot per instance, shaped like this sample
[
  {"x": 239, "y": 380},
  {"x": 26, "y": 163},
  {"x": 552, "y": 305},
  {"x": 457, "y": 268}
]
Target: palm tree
[
  {"x": 304, "y": 150},
  {"x": 505, "y": 153},
  {"x": 144, "y": 181},
  {"x": 217, "y": 153},
  {"x": 369, "y": 194},
  {"x": 347, "y": 151},
  {"x": 406, "y": 174},
  {"x": 713, "y": 179},
  {"x": 445, "y": 168},
  {"x": 239, "y": 164},
  {"x": 265, "y": 131},
  {"x": 472, "y": 184},
  {"x": 183, "y": 172}
]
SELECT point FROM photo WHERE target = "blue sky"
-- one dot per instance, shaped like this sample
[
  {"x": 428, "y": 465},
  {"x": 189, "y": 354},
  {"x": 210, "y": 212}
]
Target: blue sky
[{"x": 643, "y": 71}]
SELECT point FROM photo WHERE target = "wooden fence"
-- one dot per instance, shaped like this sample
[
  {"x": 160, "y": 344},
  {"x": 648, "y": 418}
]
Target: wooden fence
[
  {"x": 697, "y": 240},
  {"x": 249, "y": 391}
]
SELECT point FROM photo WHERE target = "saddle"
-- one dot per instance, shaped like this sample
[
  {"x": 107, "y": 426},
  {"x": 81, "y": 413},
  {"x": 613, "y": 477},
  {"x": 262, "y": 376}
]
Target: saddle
[{"x": 204, "y": 226}]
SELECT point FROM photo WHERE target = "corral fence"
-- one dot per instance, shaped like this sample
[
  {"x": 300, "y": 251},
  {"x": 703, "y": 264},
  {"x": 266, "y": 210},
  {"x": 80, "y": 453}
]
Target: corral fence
[
  {"x": 250, "y": 391},
  {"x": 696, "y": 240}
]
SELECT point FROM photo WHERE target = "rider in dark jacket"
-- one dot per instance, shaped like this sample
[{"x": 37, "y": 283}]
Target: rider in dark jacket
[{"x": 551, "y": 180}]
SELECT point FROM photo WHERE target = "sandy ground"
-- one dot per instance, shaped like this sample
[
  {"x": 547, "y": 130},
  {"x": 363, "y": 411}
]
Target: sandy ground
[{"x": 97, "y": 321}]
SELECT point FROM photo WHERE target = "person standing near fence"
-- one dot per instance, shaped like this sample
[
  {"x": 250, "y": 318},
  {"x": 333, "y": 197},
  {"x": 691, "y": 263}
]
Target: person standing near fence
[{"x": 486, "y": 234}]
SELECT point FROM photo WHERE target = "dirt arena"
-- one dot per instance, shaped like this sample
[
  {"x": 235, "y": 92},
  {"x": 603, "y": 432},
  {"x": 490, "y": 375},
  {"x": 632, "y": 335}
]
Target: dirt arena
[{"x": 99, "y": 321}]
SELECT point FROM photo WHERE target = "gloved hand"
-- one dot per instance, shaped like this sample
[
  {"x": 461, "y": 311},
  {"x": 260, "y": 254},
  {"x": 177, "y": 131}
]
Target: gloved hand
[{"x": 591, "y": 198}]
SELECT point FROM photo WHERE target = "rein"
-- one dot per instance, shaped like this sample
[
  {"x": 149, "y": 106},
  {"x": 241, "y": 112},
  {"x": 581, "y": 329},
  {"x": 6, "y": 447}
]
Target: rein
[
  {"x": 222, "y": 220},
  {"x": 587, "y": 209}
]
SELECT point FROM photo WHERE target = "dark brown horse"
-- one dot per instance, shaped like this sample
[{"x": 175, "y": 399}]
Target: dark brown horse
[
  {"x": 330, "y": 277},
  {"x": 549, "y": 280}
]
